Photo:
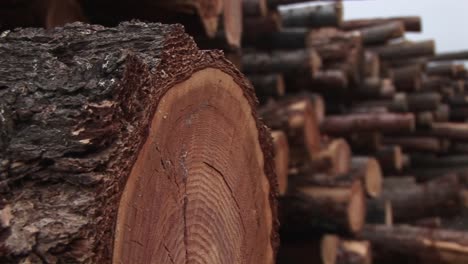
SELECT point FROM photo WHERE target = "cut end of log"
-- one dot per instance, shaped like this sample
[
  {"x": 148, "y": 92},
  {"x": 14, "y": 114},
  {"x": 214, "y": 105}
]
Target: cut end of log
[
  {"x": 191, "y": 161},
  {"x": 356, "y": 208},
  {"x": 341, "y": 154},
  {"x": 373, "y": 178},
  {"x": 281, "y": 147},
  {"x": 329, "y": 249}
]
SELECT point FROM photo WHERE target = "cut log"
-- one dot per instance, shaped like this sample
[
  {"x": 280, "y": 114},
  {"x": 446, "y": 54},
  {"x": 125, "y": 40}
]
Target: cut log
[
  {"x": 130, "y": 145},
  {"x": 332, "y": 44},
  {"x": 378, "y": 213},
  {"x": 334, "y": 160},
  {"x": 368, "y": 170},
  {"x": 406, "y": 244},
  {"x": 412, "y": 23},
  {"x": 457, "y": 131},
  {"x": 297, "y": 120},
  {"x": 331, "y": 81},
  {"x": 232, "y": 22},
  {"x": 311, "y": 16},
  {"x": 341, "y": 125},
  {"x": 406, "y": 50},
  {"x": 316, "y": 101},
  {"x": 281, "y": 147},
  {"x": 412, "y": 201},
  {"x": 291, "y": 62},
  {"x": 318, "y": 209},
  {"x": 417, "y": 144},
  {"x": 390, "y": 158},
  {"x": 450, "y": 56},
  {"x": 446, "y": 69},
  {"x": 408, "y": 78},
  {"x": 268, "y": 86},
  {"x": 380, "y": 34}
]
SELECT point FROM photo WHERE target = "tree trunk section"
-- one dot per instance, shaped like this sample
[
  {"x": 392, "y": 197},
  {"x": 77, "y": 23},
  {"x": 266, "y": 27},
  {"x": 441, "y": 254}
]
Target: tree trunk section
[
  {"x": 407, "y": 244},
  {"x": 130, "y": 145},
  {"x": 313, "y": 15},
  {"x": 412, "y": 23}
]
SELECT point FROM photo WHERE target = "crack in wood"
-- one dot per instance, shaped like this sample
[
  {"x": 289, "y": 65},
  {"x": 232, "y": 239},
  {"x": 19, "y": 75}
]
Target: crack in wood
[{"x": 230, "y": 192}]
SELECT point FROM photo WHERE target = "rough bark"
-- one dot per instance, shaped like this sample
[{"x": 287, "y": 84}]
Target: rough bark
[{"x": 97, "y": 134}]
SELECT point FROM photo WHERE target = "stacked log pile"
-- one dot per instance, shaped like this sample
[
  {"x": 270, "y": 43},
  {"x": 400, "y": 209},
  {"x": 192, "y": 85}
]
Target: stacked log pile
[
  {"x": 369, "y": 130},
  {"x": 375, "y": 126}
]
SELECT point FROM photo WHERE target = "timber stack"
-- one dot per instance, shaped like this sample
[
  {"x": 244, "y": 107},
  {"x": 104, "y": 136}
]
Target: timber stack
[
  {"x": 374, "y": 125},
  {"x": 369, "y": 133}
]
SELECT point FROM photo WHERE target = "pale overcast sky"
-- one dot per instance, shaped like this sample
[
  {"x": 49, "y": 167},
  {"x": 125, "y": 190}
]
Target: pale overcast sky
[{"x": 446, "y": 21}]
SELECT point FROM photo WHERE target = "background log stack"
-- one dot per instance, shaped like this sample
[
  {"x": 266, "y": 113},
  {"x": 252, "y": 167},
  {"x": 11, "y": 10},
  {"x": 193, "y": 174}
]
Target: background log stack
[
  {"x": 375, "y": 125},
  {"x": 369, "y": 129}
]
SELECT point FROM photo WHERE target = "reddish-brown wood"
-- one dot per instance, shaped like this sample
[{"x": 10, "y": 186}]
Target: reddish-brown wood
[
  {"x": 297, "y": 119},
  {"x": 334, "y": 159},
  {"x": 281, "y": 148}
]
